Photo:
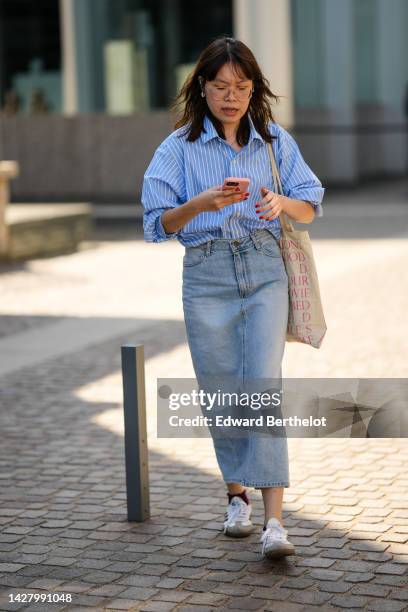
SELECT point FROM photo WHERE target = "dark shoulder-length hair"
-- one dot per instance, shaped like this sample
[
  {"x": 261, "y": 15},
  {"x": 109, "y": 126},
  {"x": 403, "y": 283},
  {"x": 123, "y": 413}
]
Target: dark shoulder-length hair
[{"x": 194, "y": 107}]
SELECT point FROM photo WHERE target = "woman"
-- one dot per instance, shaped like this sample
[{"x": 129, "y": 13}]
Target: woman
[{"x": 235, "y": 287}]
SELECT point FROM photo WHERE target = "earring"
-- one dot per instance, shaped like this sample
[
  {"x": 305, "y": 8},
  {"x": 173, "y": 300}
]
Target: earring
[{"x": 203, "y": 94}]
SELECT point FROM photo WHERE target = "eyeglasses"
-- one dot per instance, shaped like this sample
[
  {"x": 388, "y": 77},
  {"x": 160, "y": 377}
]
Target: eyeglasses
[{"x": 219, "y": 92}]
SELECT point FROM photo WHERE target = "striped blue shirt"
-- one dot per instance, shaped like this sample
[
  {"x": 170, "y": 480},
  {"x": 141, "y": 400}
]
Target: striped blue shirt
[{"x": 180, "y": 170}]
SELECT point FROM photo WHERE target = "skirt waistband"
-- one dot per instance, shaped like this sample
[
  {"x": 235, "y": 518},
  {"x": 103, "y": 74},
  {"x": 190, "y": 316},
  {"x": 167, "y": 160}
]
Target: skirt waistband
[{"x": 258, "y": 237}]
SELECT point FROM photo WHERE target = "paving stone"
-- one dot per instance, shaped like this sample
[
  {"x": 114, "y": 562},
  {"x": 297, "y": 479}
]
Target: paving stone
[
  {"x": 189, "y": 562},
  {"x": 369, "y": 546},
  {"x": 359, "y": 577},
  {"x": 44, "y": 583},
  {"x": 243, "y": 556},
  {"x": 152, "y": 570},
  {"x": 390, "y": 580},
  {"x": 10, "y": 567},
  {"x": 376, "y": 557},
  {"x": 399, "y": 594},
  {"x": 382, "y": 512},
  {"x": 356, "y": 566},
  {"x": 349, "y": 601},
  {"x": 169, "y": 583},
  {"x": 283, "y": 568},
  {"x": 172, "y": 595},
  {"x": 142, "y": 548},
  {"x": 377, "y": 527},
  {"x": 400, "y": 559},
  {"x": 325, "y": 574},
  {"x": 316, "y": 562},
  {"x": 166, "y": 541},
  {"x": 123, "y": 604},
  {"x": 232, "y": 589},
  {"x": 245, "y": 603},
  {"x": 381, "y": 605},
  {"x": 159, "y": 558},
  {"x": 335, "y": 586},
  {"x": 89, "y": 600},
  {"x": 297, "y": 583},
  {"x": 139, "y": 593},
  {"x": 157, "y": 606},
  {"x": 370, "y": 590},
  {"x": 338, "y": 553},
  {"x": 101, "y": 577},
  {"x": 395, "y": 569},
  {"x": 200, "y": 586},
  {"x": 186, "y": 572},
  {"x": 108, "y": 590},
  {"x": 298, "y": 541},
  {"x": 75, "y": 587},
  {"x": 223, "y": 576},
  {"x": 362, "y": 535},
  {"x": 227, "y": 566},
  {"x": 395, "y": 537},
  {"x": 332, "y": 542},
  {"x": 266, "y": 580},
  {"x": 208, "y": 553},
  {"x": 397, "y": 549},
  {"x": 211, "y": 599},
  {"x": 140, "y": 580},
  {"x": 197, "y": 608},
  {"x": 309, "y": 597}
]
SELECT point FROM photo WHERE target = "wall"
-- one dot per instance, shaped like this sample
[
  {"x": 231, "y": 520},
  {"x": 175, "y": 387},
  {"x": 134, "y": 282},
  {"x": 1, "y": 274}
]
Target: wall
[
  {"x": 102, "y": 158},
  {"x": 86, "y": 157}
]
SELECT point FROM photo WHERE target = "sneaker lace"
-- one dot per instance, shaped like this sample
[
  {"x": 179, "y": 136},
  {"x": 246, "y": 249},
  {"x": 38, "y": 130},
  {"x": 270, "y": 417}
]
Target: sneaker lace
[
  {"x": 276, "y": 532},
  {"x": 237, "y": 512}
]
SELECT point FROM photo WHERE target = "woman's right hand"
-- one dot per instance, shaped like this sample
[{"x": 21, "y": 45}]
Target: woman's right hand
[{"x": 216, "y": 198}]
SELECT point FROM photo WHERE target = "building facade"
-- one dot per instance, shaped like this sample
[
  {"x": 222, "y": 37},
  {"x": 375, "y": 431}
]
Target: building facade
[{"x": 87, "y": 67}]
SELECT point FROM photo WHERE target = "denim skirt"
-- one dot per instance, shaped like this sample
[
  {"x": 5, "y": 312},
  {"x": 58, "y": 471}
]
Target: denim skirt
[{"x": 235, "y": 302}]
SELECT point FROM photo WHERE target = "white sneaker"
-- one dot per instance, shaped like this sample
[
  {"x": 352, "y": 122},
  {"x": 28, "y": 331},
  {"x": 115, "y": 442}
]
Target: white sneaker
[
  {"x": 274, "y": 540},
  {"x": 237, "y": 521}
]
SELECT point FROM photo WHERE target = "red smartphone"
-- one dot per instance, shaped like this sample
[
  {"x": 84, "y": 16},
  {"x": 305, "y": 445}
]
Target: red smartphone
[{"x": 232, "y": 182}]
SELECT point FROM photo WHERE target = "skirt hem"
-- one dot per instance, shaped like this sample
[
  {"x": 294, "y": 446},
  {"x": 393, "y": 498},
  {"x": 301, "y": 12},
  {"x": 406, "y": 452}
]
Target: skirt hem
[{"x": 262, "y": 485}]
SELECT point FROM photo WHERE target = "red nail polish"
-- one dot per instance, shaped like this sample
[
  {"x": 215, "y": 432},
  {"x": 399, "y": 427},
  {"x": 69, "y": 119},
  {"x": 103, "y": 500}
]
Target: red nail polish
[{"x": 261, "y": 217}]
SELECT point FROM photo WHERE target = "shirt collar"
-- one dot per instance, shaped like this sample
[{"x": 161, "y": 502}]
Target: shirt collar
[{"x": 211, "y": 132}]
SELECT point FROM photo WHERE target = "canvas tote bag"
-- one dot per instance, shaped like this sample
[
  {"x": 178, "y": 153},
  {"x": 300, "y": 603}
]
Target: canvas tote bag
[{"x": 306, "y": 323}]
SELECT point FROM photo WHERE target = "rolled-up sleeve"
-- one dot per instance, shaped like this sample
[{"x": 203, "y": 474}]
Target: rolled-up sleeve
[
  {"x": 162, "y": 189},
  {"x": 298, "y": 180}
]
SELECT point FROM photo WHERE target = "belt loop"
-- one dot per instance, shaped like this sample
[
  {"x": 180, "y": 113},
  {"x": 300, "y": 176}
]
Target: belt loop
[
  {"x": 208, "y": 248},
  {"x": 255, "y": 240}
]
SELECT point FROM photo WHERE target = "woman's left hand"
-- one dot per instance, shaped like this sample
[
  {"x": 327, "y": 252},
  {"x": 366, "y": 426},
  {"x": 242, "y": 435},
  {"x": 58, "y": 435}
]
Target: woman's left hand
[{"x": 271, "y": 202}]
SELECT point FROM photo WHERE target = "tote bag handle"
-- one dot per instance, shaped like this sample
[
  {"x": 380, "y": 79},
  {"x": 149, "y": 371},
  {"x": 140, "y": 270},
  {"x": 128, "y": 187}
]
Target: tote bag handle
[{"x": 286, "y": 224}]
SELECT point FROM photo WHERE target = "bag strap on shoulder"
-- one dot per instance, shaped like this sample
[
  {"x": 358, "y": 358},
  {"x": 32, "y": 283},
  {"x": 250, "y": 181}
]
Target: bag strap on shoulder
[{"x": 286, "y": 224}]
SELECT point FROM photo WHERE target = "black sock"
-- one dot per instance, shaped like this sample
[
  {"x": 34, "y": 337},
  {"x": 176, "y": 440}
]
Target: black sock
[{"x": 242, "y": 495}]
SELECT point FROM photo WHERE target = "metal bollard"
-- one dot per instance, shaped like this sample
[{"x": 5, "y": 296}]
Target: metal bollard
[{"x": 136, "y": 452}]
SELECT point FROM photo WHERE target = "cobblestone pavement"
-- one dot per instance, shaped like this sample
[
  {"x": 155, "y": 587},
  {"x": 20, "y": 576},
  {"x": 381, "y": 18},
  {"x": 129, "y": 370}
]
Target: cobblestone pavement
[{"x": 63, "y": 526}]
